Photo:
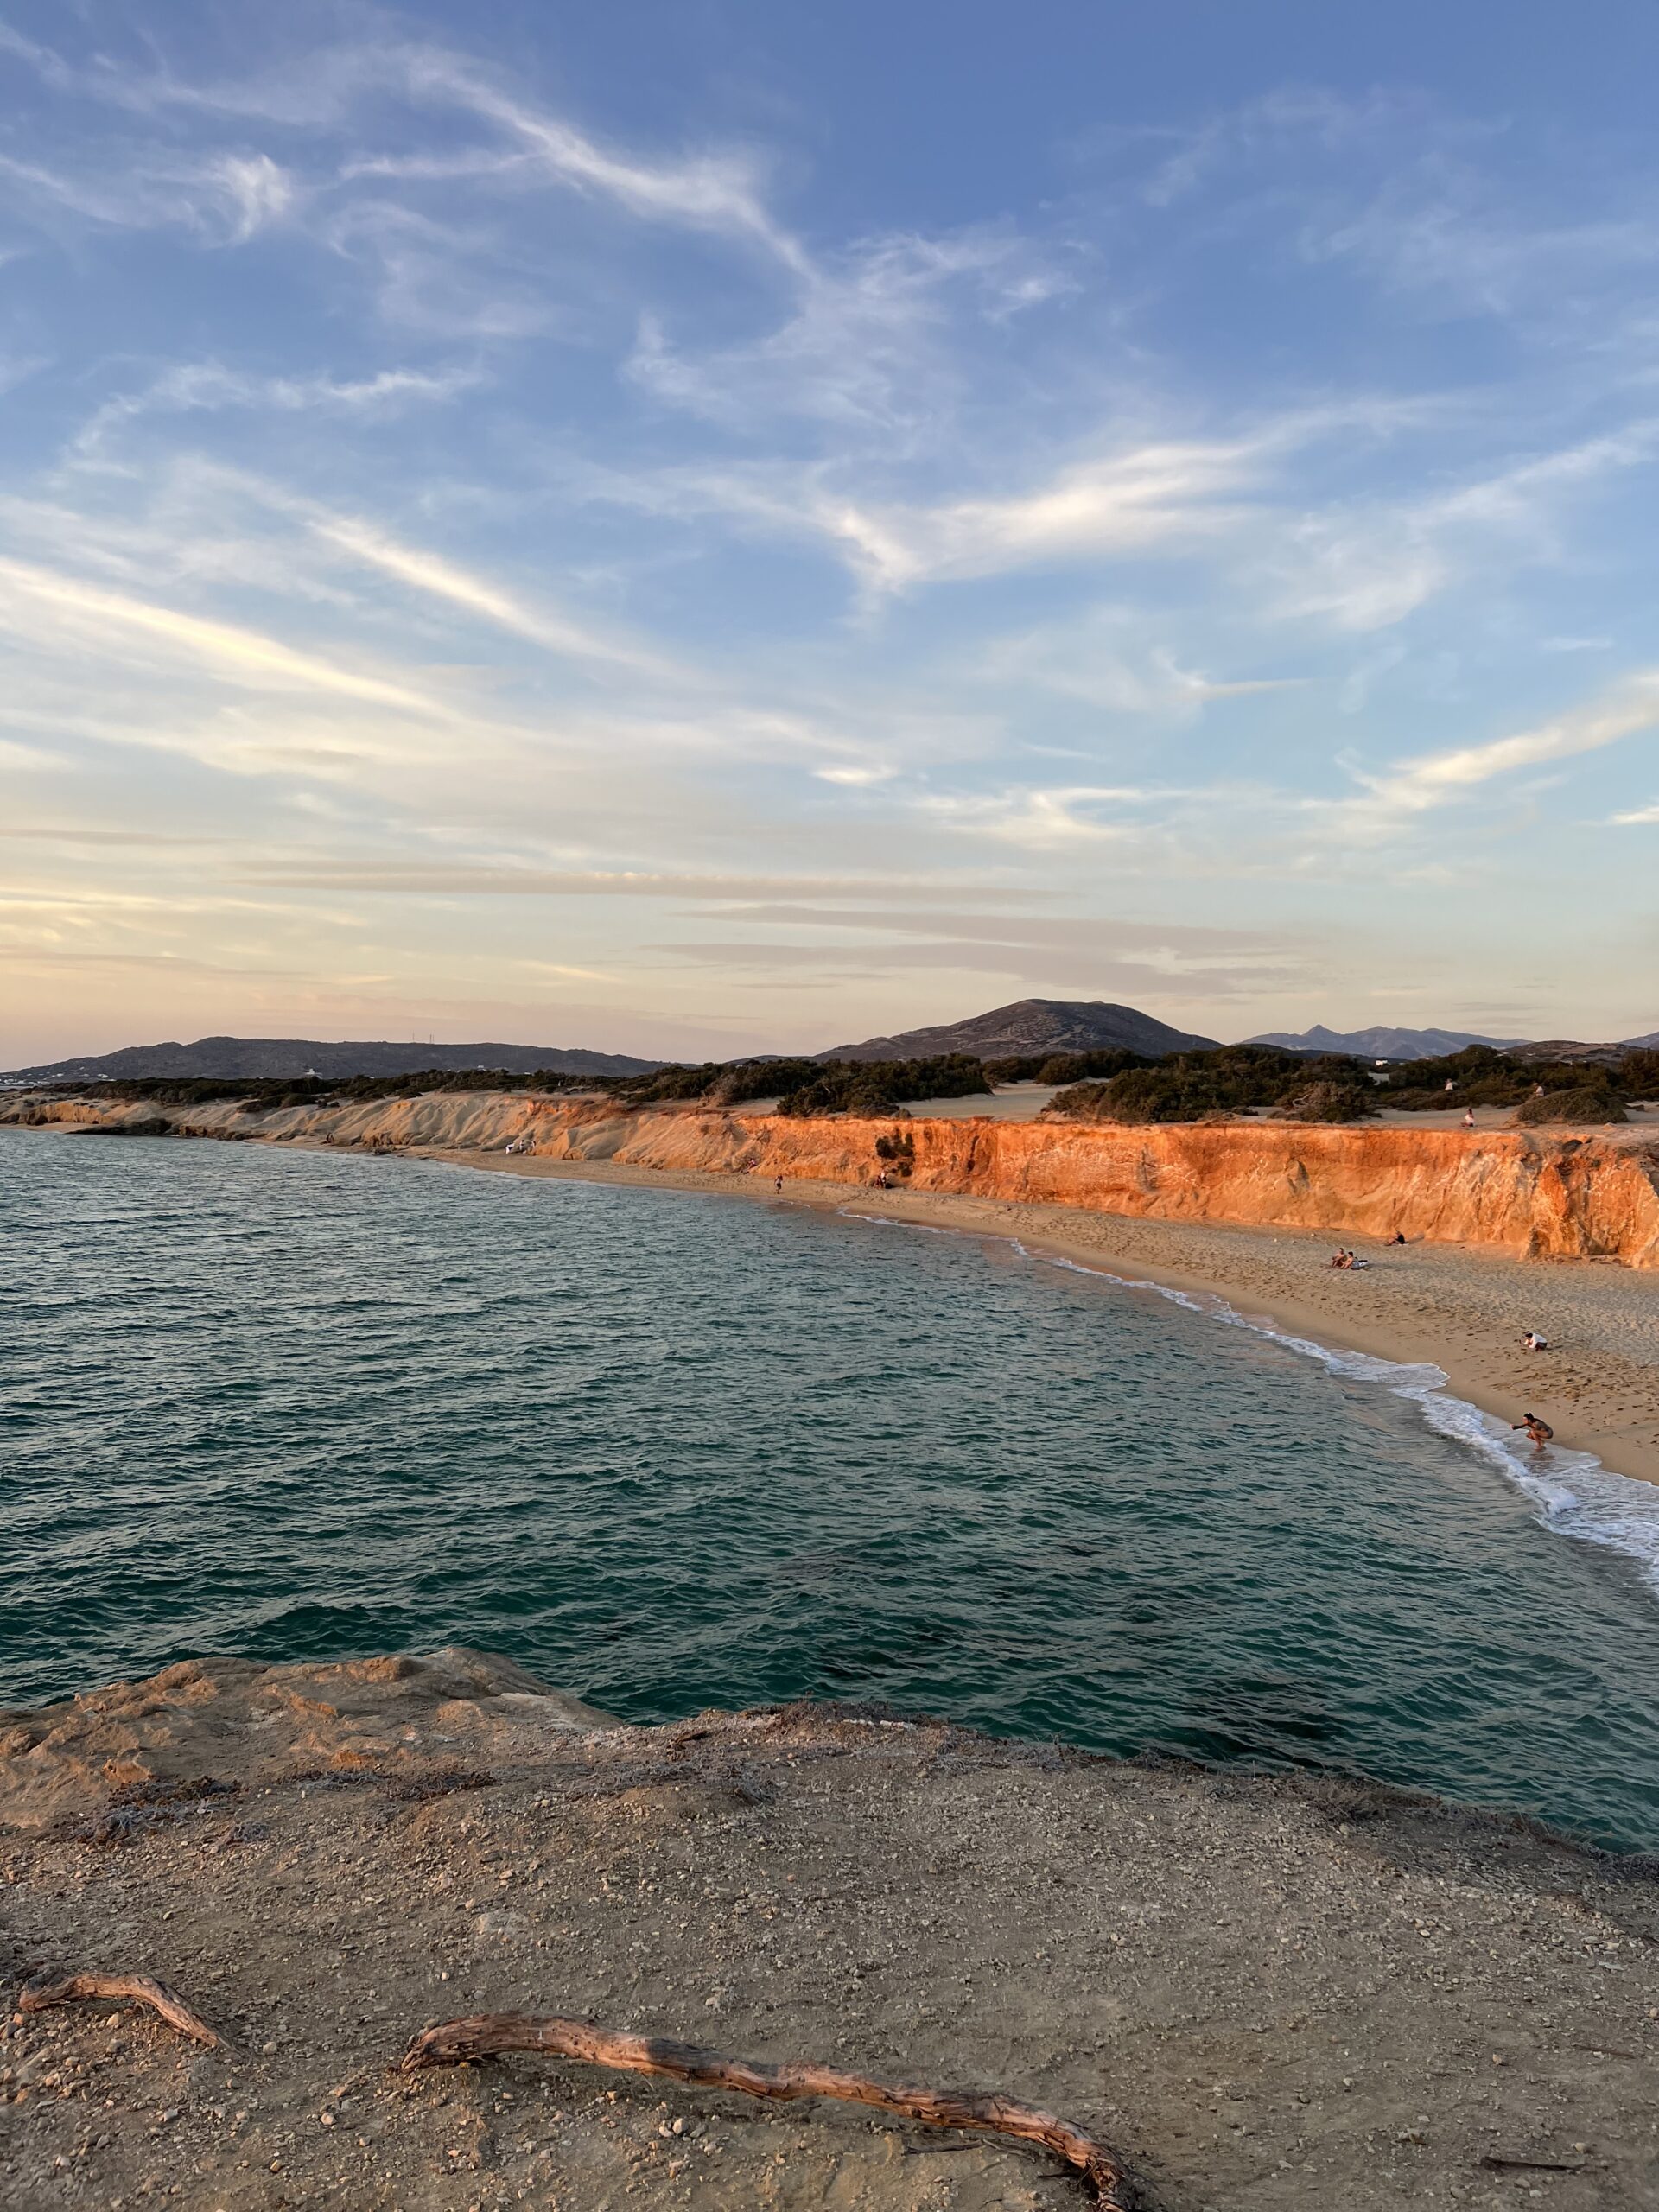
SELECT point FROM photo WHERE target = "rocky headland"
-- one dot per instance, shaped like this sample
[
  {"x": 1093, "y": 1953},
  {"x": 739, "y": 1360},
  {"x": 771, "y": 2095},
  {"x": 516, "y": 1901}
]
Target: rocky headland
[{"x": 1290, "y": 1991}]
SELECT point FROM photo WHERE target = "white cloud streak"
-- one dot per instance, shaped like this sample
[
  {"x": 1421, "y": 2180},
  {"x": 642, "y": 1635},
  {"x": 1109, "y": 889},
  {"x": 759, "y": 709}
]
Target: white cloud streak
[
  {"x": 444, "y": 580},
  {"x": 708, "y": 192},
  {"x": 1436, "y": 779},
  {"x": 99, "y": 618},
  {"x": 210, "y": 386}
]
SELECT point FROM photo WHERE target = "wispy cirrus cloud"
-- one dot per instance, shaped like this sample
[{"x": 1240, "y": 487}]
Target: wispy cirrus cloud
[
  {"x": 477, "y": 503},
  {"x": 436, "y": 577},
  {"x": 1435, "y": 779},
  {"x": 718, "y": 192},
  {"x": 226, "y": 198},
  {"x": 1363, "y": 567},
  {"x": 870, "y": 344},
  {"x": 34, "y": 599},
  {"x": 209, "y": 387}
]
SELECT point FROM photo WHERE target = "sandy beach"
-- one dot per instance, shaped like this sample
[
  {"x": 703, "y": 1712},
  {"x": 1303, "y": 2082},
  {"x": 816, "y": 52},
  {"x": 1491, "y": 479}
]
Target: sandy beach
[{"x": 1461, "y": 1310}]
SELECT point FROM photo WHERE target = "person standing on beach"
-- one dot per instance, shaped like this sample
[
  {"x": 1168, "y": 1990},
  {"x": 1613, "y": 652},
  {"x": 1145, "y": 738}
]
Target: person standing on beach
[{"x": 1539, "y": 1431}]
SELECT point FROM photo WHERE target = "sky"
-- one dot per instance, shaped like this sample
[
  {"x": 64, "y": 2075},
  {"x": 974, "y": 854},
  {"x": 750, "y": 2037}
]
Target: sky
[{"x": 694, "y": 527}]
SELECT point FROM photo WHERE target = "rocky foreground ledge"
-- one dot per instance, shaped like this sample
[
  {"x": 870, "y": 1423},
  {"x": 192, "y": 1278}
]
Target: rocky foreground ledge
[{"x": 1284, "y": 1992}]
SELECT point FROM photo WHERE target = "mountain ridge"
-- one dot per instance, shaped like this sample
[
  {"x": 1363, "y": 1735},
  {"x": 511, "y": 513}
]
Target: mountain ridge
[
  {"x": 234, "y": 1059},
  {"x": 1380, "y": 1041},
  {"x": 1029, "y": 1026}
]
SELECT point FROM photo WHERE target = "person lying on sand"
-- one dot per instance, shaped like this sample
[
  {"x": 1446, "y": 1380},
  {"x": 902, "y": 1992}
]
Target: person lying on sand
[
  {"x": 1535, "y": 1340},
  {"x": 1539, "y": 1431}
]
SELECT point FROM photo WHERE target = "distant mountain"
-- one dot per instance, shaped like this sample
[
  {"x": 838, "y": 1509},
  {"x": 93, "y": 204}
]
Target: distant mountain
[
  {"x": 1031, "y": 1026},
  {"x": 240, "y": 1057},
  {"x": 1570, "y": 1048},
  {"x": 1382, "y": 1044}
]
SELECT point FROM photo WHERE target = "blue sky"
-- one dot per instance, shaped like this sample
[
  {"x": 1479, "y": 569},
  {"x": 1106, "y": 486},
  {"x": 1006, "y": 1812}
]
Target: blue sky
[{"x": 691, "y": 527}]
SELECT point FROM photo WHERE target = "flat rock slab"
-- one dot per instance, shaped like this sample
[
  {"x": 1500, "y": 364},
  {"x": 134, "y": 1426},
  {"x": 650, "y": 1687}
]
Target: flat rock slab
[{"x": 1273, "y": 1991}]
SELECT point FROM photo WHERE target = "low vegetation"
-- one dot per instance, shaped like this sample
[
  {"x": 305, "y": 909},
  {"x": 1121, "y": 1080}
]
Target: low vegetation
[
  {"x": 1190, "y": 1086},
  {"x": 1589, "y": 1105},
  {"x": 1102, "y": 1086},
  {"x": 882, "y": 1086},
  {"x": 1481, "y": 1076},
  {"x": 1065, "y": 1067},
  {"x": 1328, "y": 1100},
  {"x": 270, "y": 1091},
  {"x": 809, "y": 1087}
]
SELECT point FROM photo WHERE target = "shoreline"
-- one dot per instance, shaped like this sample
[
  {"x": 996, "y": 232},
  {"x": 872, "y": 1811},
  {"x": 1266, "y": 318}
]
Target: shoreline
[
  {"x": 1447, "y": 1307},
  {"x": 1457, "y": 1305}
]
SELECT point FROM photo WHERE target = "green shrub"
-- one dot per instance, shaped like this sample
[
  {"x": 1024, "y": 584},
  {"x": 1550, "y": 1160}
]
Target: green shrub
[
  {"x": 1188, "y": 1086},
  {"x": 1481, "y": 1076},
  {"x": 1329, "y": 1102},
  {"x": 1157, "y": 1094},
  {"x": 1583, "y": 1107},
  {"x": 879, "y": 1086},
  {"x": 1089, "y": 1067},
  {"x": 898, "y": 1153}
]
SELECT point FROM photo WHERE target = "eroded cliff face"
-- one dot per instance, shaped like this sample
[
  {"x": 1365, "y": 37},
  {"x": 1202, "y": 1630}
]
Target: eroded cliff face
[{"x": 1528, "y": 1194}]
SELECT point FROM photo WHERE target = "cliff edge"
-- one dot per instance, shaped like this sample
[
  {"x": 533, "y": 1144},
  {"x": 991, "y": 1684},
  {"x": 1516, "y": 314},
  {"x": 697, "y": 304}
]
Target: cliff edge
[{"x": 1532, "y": 1194}]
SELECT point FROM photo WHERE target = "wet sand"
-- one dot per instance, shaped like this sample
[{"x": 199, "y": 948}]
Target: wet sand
[{"x": 1458, "y": 1309}]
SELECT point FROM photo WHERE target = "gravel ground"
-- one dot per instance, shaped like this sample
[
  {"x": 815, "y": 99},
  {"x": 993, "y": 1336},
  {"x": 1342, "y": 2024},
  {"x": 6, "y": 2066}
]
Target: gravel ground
[{"x": 1268, "y": 1992}]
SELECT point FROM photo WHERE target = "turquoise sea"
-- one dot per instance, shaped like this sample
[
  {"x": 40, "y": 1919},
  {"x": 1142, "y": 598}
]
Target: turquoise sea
[{"x": 672, "y": 1451}]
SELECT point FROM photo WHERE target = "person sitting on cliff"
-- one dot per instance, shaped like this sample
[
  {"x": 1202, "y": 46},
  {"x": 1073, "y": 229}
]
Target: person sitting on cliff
[
  {"x": 1535, "y": 1340},
  {"x": 1539, "y": 1431}
]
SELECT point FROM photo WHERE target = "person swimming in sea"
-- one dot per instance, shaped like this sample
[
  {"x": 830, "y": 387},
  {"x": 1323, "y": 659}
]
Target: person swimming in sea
[{"x": 1539, "y": 1431}]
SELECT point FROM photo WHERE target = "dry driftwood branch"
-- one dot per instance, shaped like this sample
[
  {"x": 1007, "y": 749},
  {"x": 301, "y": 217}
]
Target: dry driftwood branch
[
  {"x": 142, "y": 1988},
  {"x": 486, "y": 2035}
]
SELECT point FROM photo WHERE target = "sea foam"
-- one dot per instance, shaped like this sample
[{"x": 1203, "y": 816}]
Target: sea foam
[{"x": 1572, "y": 1493}]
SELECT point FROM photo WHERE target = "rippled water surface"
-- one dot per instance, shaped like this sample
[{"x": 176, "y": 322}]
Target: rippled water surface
[{"x": 675, "y": 1450}]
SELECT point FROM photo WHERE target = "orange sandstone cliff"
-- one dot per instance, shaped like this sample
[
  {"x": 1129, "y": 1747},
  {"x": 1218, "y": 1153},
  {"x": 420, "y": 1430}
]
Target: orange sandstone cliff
[{"x": 1528, "y": 1193}]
